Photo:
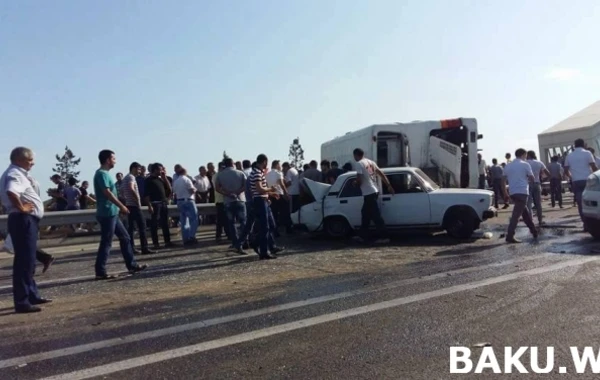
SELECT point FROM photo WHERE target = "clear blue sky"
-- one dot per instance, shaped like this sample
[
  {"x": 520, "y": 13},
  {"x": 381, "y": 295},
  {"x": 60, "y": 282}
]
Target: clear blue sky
[{"x": 181, "y": 81}]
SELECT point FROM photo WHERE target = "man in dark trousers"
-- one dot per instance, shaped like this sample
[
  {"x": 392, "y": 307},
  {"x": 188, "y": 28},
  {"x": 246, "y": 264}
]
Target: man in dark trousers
[
  {"x": 20, "y": 194},
  {"x": 158, "y": 190}
]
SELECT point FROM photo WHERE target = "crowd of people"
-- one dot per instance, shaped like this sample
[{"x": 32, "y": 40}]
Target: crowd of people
[
  {"x": 519, "y": 182},
  {"x": 251, "y": 202}
]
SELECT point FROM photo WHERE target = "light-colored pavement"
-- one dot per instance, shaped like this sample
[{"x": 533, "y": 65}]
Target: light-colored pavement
[{"x": 324, "y": 309}]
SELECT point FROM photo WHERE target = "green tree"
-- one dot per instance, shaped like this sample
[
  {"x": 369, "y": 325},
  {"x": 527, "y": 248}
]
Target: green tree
[
  {"x": 296, "y": 155},
  {"x": 66, "y": 165}
]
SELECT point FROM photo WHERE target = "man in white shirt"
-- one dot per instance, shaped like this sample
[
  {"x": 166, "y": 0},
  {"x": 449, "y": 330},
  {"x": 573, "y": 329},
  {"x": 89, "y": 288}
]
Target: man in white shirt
[
  {"x": 203, "y": 185},
  {"x": 579, "y": 164},
  {"x": 184, "y": 191},
  {"x": 367, "y": 172},
  {"x": 535, "y": 188},
  {"x": 518, "y": 173},
  {"x": 596, "y": 158},
  {"x": 482, "y": 171},
  {"x": 20, "y": 194},
  {"x": 292, "y": 182},
  {"x": 278, "y": 204}
]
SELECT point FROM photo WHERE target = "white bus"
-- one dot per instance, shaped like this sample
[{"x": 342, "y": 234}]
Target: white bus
[{"x": 445, "y": 149}]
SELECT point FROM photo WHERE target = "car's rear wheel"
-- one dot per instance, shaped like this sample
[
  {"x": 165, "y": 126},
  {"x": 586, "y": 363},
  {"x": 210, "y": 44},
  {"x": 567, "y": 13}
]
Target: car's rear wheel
[
  {"x": 460, "y": 224},
  {"x": 337, "y": 227},
  {"x": 593, "y": 227}
]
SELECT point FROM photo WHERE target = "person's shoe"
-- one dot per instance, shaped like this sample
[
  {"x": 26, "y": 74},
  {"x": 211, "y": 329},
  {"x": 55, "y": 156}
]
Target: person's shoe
[
  {"x": 277, "y": 250},
  {"x": 138, "y": 268},
  {"x": 136, "y": 251},
  {"x": 28, "y": 309},
  {"x": 157, "y": 247},
  {"x": 267, "y": 257},
  {"x": 148, "y": 252},
  {"x": 41, "y": 301},
  {"x": 240, "y": 251},
  {"x": 246, "y": 245},
  {"x": 505, "y": 206},
  {"x": 512, "y": 240},
  {"x": 48, "y": 263},
  {"x": 359, "y": 239},
  {"x": 106, "y": 277}
]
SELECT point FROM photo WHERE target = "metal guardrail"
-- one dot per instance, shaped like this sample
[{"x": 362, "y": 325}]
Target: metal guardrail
[{"x": 60, "y": 218}]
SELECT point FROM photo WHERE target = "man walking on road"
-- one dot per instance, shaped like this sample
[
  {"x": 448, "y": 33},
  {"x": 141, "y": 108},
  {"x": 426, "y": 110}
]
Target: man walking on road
[
  {"x": 108, "y": 207},
  {"x": 535, "y": 189},
  {"x": 133, "y": 201},
  {"x": 20, "y": 194},
  {"x": 518, "y": 173},
  {"x": 579, "y": 164},
  {"x": 556, "y": 178},
  {"x": 366, "y": 177}
]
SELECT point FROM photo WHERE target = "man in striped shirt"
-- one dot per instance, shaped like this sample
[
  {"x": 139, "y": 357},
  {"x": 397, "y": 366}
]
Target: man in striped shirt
[
  {"x": 260, "y": 205},
  {"x": 133, "y": 201}
]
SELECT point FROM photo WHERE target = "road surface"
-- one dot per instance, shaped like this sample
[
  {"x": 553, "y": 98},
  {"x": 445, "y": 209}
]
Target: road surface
[{"x": 323, "y": 310}]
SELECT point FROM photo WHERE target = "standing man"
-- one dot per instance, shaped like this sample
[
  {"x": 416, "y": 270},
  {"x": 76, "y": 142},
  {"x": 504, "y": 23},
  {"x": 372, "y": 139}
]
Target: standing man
[
  {"x": 579, "y": 164},
  {"x": 231, "y": 183},
  {"x": 59, "y": 193},
  {"x": 158, "y": 191},
  {"x": 133, "y": 201},
  {"x": 507, "y": 157},
  {"x": 202, "y": 185},
  {"x": 260, "y": 207},
  {"x": 325, "y": 168},
  {"x": 20, "y": 194},
  {"x": 518, "y": 173},
  {"x": 247, "y": 167},
  {"x": 535, "y": 189},
  {"x": 482, "y": 171},
  {"x": 140, "y": 179},
  {"x": 333, "y": 173},
  {"x": 275, "y": 180},
  {"x": 185, "y": 192},
  {"x": 222, "y": 224},
  {"x": 496, "y": 174},
  {"x": 72, "y": 195},
  {"x": 292, "y": 182},
  {"x": 556, "y": 177},
  {"x": 366, "y": 177},
  {"x": 312, "y": 172},
  {"x": 85, "y": 197},
  {"x": 108, "y": 207}
]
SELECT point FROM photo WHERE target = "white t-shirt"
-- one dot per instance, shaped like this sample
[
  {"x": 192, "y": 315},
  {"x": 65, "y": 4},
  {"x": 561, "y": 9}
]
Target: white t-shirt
[
  {"x": 16, "y": 180},
  {"x": 202, "y": 183},
  {"x": 294, "y": 179},
  {"x": 536, "y": 168},
  {"x": 578, "y": 163},
  {"x": 365, "y": 168},
  {"x": 597, "y": 159},
  {"x": 273, "y": 178},
  {"x": 184, "y": 188},
  {"x": 482, "y": 167},
  {"x": 517, "y": 174}
]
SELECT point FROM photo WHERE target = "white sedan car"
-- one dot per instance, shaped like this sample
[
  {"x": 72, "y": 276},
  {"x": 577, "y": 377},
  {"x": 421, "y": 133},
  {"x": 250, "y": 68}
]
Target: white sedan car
[
  {"x": 418, "y": 203},
  {"x": 590, "y": 205}
]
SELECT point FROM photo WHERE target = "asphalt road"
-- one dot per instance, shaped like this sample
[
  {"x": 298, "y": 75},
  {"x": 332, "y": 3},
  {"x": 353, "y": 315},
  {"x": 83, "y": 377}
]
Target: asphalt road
[{"x": 323, "y": 310}]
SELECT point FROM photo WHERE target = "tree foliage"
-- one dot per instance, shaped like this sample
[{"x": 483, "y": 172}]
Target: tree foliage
[
  {"x": 296, "y": 155},
  {"x": 66, "y": 165}
]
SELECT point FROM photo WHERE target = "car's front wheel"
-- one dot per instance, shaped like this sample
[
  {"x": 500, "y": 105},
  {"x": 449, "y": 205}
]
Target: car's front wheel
[
  {"x": 460, "y": 224},
  {"x": 337, "y": 227},
  {"x": 593, "y": 227}
]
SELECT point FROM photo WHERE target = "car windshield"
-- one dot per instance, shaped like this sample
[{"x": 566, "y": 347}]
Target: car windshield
[{"x": 430, "y": 184}]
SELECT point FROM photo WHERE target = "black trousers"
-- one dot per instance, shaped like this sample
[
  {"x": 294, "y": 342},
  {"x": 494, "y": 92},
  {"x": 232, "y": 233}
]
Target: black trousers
[
  {"x": 222, "y": 224},
  {"x": 295, "y": 200},
  {"x": 160, "y": 215},
  {"x": 136, "y": 218},
  {"x": 556, "y": 191},
  {"x": 497, "y": 186},
  {"x": 370, "y": 212}
]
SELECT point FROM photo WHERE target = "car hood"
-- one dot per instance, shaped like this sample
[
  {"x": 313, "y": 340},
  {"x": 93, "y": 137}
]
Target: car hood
[
  {"x": 318, "y": 190},
  {"x": 463, "y": 191}
]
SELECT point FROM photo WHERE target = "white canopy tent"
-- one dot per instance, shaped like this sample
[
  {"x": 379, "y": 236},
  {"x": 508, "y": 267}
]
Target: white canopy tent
[{"x": 559, "y": 139}]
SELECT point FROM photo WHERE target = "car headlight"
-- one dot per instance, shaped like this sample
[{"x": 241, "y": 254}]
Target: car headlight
[{"x": 593, "y": 183}]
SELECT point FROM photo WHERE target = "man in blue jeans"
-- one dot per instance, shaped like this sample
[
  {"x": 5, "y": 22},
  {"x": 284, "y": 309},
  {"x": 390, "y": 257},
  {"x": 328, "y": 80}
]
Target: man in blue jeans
[
  {"x": 231, "y": 183},
  {"x": 185, "y": 192},
  {"x": 107, "y": 215}
]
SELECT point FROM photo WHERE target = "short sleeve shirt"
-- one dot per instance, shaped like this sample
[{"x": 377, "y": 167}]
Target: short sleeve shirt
[
  {"x": 19, "y": 182},
  {"x": 102, "y": 181},
  {"x": 366, "y": 170},
  {"x": 517, "y": 174},
  {"x": 536, "y": 168},
  {"x": 128, "y": 193},
  {"x": 578, "y": 163}
]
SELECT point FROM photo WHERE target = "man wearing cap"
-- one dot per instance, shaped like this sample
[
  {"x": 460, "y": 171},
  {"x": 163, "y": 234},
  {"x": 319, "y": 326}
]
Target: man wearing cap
[{"x": 20, "y": 194}]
